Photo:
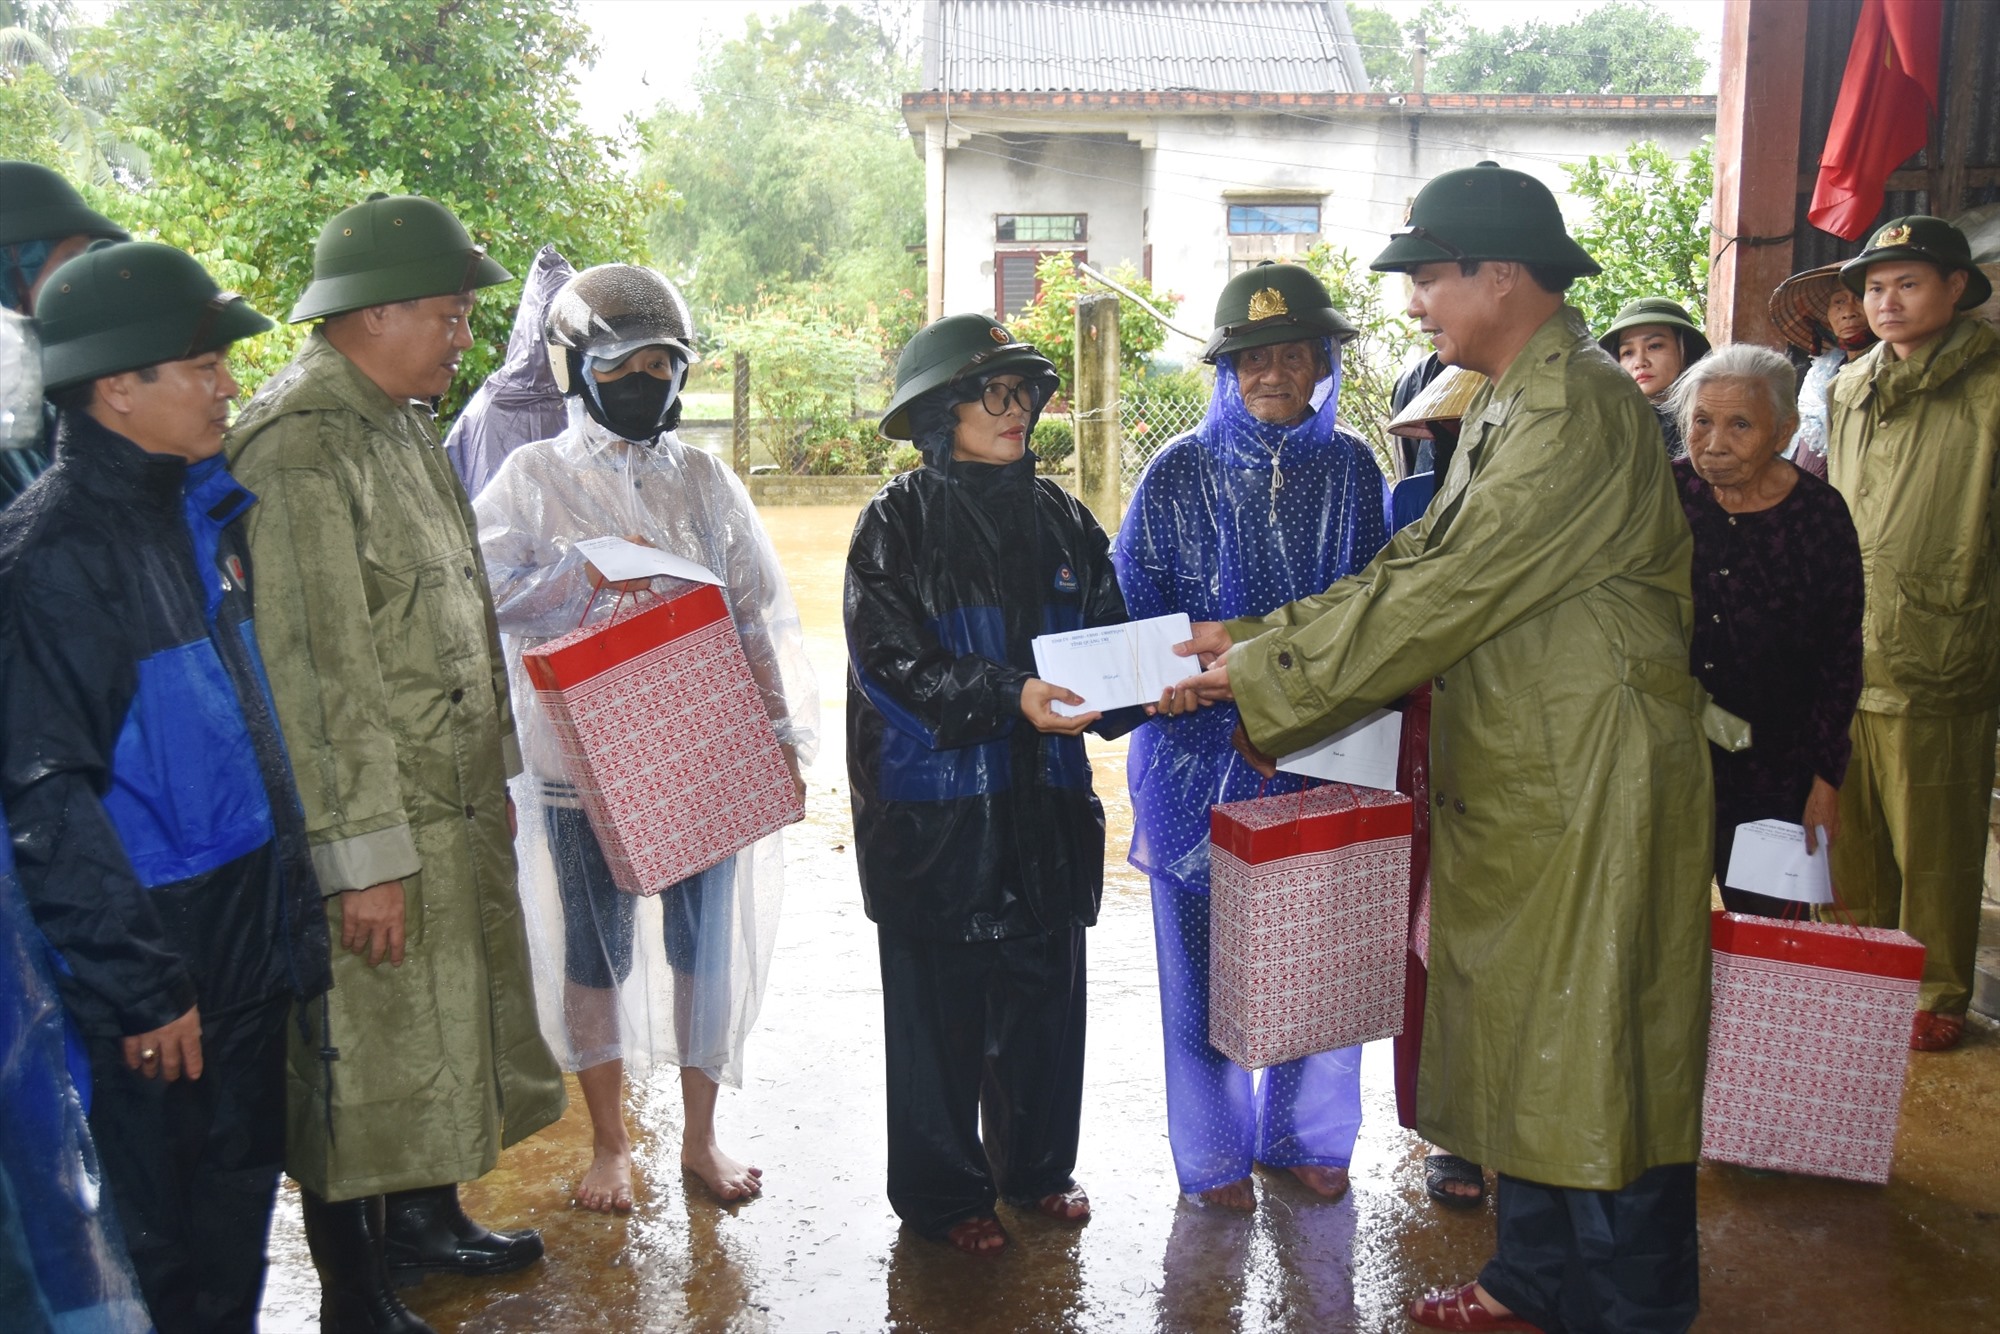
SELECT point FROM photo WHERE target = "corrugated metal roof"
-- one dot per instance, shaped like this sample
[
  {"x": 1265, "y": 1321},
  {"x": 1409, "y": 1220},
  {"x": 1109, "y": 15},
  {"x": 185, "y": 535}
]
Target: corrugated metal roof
[{"x": 1246, "y": 46}]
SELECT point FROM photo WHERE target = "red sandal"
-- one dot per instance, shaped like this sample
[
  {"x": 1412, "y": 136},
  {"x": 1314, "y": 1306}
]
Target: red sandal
[
  {"x": 1460, "y": 1308},
  {"x": 1936, "y": 1032}
]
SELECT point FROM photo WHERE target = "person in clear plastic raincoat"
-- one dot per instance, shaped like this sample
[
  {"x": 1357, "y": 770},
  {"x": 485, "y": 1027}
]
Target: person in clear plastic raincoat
[
  {"x": 1266, "y": 501},
  {"x": 678, "y": 977}
]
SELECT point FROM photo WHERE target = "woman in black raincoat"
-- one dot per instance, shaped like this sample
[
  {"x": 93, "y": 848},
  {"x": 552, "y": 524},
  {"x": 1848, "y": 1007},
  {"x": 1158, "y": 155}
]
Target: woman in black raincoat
[{"x": 981, "y": 845}]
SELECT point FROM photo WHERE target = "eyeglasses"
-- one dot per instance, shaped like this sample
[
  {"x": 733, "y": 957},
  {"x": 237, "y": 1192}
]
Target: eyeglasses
[
  {"x": 996, "y": 398},
  {"x": 1427, "y": 235}
]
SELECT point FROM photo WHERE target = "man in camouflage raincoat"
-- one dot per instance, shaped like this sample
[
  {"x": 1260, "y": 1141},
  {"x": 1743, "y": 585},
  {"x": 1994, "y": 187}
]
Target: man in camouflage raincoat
[{"x": 1545, "y": 596}]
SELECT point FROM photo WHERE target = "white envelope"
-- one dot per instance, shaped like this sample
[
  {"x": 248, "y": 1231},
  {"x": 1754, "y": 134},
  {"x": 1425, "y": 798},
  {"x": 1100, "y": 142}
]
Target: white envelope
[
  {"x": 1113, "y": 666},
  {"x": 1362, "y": 753},
  {"x": 1770, "y": 857},
  {"x": 618, "y": 560}
]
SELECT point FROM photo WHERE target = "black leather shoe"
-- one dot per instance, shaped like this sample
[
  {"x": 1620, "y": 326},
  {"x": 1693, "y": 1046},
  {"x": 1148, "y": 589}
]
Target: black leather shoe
[
  {"x": 428, "y": 1233},
  {"x": 355, "y": 1294}
]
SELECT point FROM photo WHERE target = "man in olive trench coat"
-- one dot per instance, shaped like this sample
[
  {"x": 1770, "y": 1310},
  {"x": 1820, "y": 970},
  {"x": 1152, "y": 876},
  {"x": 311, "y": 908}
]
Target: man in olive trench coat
[
  {"x": 427, "y": 1058},
  {"x": 1545, "y": 596}
]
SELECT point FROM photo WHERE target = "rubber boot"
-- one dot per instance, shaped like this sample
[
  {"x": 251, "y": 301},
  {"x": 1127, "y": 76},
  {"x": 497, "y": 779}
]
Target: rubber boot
[
  {"x": 355, "y": 1295},
  {"x": 428, "y": 1233}
]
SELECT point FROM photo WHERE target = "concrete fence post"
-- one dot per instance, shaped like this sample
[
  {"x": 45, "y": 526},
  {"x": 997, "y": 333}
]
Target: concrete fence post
[
  {"x": 739, "y": 417},
  {"x": 1095, "y": 395}
]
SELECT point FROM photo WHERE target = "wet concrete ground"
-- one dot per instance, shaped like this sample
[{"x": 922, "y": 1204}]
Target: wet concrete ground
[{"x": 821, "y": 1250}]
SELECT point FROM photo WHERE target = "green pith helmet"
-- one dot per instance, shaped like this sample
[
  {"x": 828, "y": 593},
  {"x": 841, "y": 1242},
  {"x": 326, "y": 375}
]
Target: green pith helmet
[
  {"x": 1657, "y": 310},
  {"x": 38, "y": 205},
  {"x": 955, "y": 346},
  {"x": 1920, "y": 236},
  {"x": 123, "y": 305},
  {"x": 1274, "y": 303},
  {"x": 1485, "y": 212},
  {"x": 392, "y": 248}
]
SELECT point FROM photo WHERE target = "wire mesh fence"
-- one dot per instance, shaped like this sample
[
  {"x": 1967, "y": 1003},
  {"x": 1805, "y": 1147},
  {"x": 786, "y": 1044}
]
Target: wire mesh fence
[{"x": 1146, "y": 424}]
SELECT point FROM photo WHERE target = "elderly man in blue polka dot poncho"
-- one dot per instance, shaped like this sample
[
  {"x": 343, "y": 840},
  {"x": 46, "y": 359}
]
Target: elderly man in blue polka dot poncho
[{"x": 1266, "y": 501}]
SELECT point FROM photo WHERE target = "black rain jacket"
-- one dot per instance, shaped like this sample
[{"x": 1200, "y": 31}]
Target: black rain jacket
[
  {"x": 968, "y": 823},
  {"x": 156, "y": 831}
]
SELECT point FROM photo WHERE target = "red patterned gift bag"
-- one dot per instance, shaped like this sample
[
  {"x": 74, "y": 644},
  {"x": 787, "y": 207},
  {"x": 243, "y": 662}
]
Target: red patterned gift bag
[
  {"x": 1309, "y": 922},
  {"x": 665, "y": 736},
  {"x": 1808, "y": 1043}
]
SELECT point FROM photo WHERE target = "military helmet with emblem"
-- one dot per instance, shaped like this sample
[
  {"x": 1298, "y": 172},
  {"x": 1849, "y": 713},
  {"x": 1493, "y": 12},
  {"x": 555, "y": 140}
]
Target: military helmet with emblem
[
  {"x": 1485, "y": 212},
  {"x": 1920, "y": 236},
  {"x": 1274, "y": 303},
  {"x": 392, "y": 248},
  {"x": 124, "y": 305},
  {"x": 952, "y": 351},
  {"x": 36, "y": 204}
]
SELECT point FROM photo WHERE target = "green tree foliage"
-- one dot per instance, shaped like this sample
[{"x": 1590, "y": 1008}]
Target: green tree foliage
[
  {"x": 795, "y": 170},
  {"x": 1648, "y": 228},
  {"x": 1621, "y": 47},
  {"x": 1371, "y": 361},
  {"x": 1383, "y": 53},
  {"x": 48, "y": 113},
  {"x": 809, "y": 368},
  {"x": 1049, "y": 322},
  {"x": 262, "y": 118}
]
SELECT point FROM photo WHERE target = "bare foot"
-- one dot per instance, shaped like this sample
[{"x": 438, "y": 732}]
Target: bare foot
[
  {"x": 728, "y": 1179},
  {"x": 1066, "y": 1206},
  {"x": 1326, "y": 1182},
  {"x": 607, "y": 1187},
  {"x": 977, "y": 1236},
  {"x": 1238, "y": 1195}
]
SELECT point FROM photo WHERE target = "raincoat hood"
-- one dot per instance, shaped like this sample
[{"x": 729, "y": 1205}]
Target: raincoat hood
[
  {"x": 520, "y": 401},
  {"x": 1231, "y": 429}
]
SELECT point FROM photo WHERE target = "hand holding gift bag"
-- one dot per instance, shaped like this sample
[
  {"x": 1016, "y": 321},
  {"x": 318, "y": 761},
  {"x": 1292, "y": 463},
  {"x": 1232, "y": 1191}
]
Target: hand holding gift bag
[
  {"x": 1310, "y": 918},
  {"x": 1808, "y": 1045},
  {"x": 666, "y": 738}
]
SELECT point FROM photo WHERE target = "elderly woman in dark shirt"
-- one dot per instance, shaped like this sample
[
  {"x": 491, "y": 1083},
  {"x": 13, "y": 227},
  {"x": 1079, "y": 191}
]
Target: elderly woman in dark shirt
[{"x": 1777, "y": 601}]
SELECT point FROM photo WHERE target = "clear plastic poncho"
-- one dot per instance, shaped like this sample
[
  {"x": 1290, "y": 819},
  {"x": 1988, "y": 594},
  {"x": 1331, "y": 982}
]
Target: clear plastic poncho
[
  {"x": 520, "y": 401},
  {"x": 1235, "y": 518},
  {"x": 687, "y": 966},
  {"x": 1808, "y": 447}
]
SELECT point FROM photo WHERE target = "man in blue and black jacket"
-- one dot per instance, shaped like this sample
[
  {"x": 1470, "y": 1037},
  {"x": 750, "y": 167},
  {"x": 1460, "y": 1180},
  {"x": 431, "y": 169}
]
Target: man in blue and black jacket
[{"x": 155, "y": 826}]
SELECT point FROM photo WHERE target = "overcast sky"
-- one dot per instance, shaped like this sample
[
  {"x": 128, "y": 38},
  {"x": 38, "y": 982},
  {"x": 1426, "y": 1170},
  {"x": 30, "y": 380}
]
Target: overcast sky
[{"x": 649, "y": 49}]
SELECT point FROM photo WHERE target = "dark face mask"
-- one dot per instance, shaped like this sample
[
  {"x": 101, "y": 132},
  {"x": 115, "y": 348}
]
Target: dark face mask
[{"x": 633, "y": 406}]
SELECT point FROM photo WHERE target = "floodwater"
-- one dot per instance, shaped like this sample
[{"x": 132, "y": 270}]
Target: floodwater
[{"x": 820, "y": 1250}]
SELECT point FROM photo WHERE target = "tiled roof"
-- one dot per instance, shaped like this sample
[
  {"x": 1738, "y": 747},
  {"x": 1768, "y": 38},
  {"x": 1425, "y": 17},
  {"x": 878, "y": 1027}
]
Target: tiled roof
[{"x": 1249, "y": 46}]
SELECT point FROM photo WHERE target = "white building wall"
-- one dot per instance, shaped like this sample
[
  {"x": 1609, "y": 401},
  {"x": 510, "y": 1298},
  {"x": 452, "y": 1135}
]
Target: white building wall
[
  {"x": 1178, "y": 173},
  {"x": 987, "y": 174}
]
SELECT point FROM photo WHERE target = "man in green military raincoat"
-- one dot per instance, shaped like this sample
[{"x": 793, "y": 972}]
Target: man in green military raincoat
[
  {"x": 1545, "y": 596},
  {"x": 1913, "y": 440},
  {"x": 385, "y": 662}
]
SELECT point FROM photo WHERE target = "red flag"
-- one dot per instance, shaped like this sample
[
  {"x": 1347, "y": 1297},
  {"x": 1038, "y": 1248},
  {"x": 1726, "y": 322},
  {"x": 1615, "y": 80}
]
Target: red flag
[{"x": 1883, "y": 115}]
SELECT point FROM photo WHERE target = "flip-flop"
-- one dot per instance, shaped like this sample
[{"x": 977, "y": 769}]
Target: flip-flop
[
  {"x": 965, "y": 1235},
  {"x": 1442, "y": 1168}
]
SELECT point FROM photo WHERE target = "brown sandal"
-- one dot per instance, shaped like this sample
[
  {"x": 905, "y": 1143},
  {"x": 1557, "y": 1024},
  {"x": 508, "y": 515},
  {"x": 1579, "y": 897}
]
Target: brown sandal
[
  {"x": 979, "y": 1235},
  {"x": 1062, "y": 1205}
]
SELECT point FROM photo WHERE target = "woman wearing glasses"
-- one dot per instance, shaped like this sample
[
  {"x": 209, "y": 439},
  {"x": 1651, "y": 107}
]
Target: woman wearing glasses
[{"x": 980, "y": 843}]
